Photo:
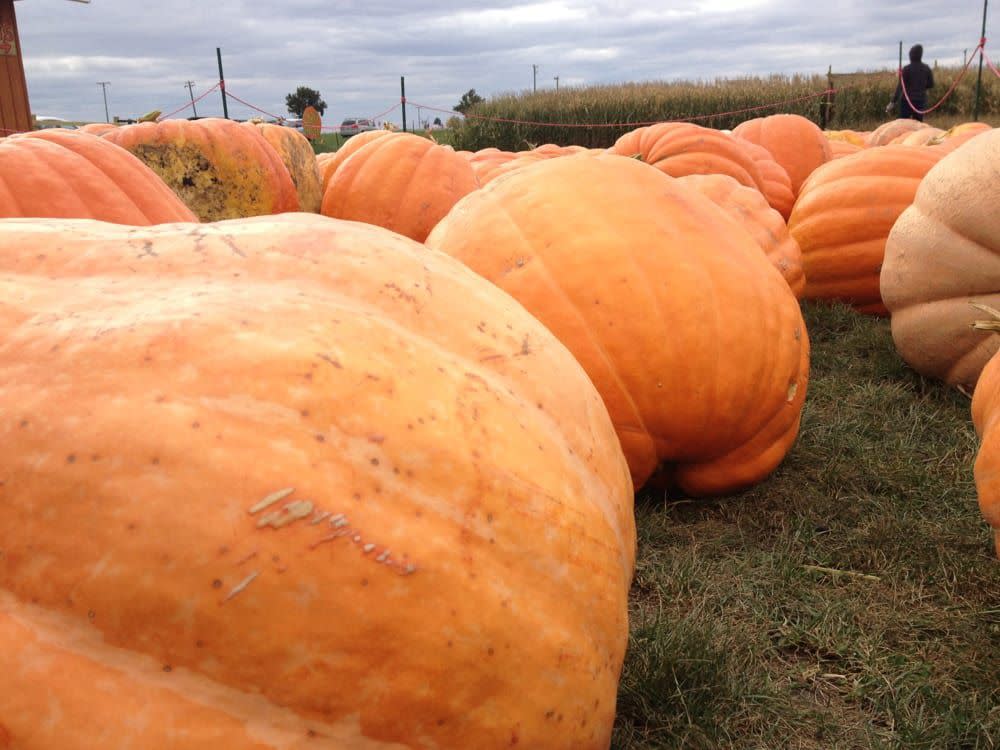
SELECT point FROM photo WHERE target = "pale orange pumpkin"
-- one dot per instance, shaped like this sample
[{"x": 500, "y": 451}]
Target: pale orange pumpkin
[
  {"x": 97, "y": 128},
  {"x": 919, "y": 137},
  {"x": 67, "y": 174},
  {"x": 692, "y": 337},
  {"x": 220, "y": 169},
  {"x": 291, "y": 482},
  {"x": 797, "y": 144},
  {"x": 885, "y": 133},
  {"x": 404, "y": 183},
  {"x": 843, "y": 216},
  {"x": 942, "y": 253}
]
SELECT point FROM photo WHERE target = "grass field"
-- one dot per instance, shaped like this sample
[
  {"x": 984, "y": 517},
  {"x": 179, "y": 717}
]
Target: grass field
[
  {"x": 332, "y": 141},
  {"x": 858, "y": 103},
  {"x": 850, "y": 601}
]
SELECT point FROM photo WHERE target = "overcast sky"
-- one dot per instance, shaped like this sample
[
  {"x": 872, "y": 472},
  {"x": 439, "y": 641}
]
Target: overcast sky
[{"x": 354, "y": 52}]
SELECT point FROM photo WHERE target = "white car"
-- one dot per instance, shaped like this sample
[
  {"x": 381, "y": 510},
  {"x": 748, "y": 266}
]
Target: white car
[{"x": 354, "y": 125}]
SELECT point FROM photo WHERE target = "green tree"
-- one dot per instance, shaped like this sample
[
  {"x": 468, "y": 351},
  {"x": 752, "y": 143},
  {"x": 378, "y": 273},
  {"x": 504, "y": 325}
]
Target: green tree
[
  {"x": 469, "y": 98},
  {"x": 302, "y": 98}
]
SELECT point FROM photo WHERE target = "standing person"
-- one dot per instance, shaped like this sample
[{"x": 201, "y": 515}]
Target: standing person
[{"x": 917, "y": 78}]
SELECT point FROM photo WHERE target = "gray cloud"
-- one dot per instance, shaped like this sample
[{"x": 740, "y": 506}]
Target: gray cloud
[{"x": 355, "y": 52}]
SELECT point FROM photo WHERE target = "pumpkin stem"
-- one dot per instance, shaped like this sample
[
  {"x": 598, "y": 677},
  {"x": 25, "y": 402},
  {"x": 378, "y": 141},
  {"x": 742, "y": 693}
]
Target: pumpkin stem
[{"x": 986, "y": 325}]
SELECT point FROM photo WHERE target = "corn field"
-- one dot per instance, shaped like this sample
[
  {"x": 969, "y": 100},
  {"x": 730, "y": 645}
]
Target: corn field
[{"x": 859, "y": 103}]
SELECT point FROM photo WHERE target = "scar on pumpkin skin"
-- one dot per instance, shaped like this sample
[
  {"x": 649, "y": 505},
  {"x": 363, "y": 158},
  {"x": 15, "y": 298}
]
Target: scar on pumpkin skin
[
  {"x": 241, "y": 586},
  {"x": 271, "y": 500}
]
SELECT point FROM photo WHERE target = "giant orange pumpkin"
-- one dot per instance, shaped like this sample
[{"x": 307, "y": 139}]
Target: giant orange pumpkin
[
  {"x": 751, "y": 210},
  {"x": 840, "y": 149},
  {"x": 404, "y": 183},
  {"x": 296, "y": 483},
  {"x": 842, "y": 219},
  {"x": 942, "y": 253},
  {"x": 986, "y": 418},
  {"x": 220, "y": 169},
  {"x": 338, "y": 157},
  {"x": 299, "y": 159},
  {"x": 776, "y": 184},
  {"x": 692, "y": 337},
  {"x": 797, "y": 144},
  {"x": 66, "y": 174},
  {"x": 683, "y": 148}
]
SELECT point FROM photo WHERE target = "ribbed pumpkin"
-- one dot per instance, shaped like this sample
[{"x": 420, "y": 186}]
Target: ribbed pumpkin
[
  {"x": 777, "y": 186},
  {"x": 404, "y": 183},
  {"x": 846, "y": 136},
  {"x": 840, "y": 149},
  {"x": 341, "y": 155},
  {"x": 843, "y": 216},
  {"x": 71, "y": 175},
  {"x": 692, "y": 337},
  {"x": 959, "y": 135},
  {"x": 986, "y": 418},
  {"x": 885, "y": 133},
  {"x": 919, "y": 137},
  {"x": 97, "y": 128},
  {"x": 797, "y": 144},
  {"x": 219, "y": 168},
  {"x": 750, "y": 209},
  {"x": 299, "y": 159},
  {"x": 296, "y": 483},
  {"x": 683, "y": 148},
  {"x": 943, "y": 252},
  {"x": 488, "y": 171}
]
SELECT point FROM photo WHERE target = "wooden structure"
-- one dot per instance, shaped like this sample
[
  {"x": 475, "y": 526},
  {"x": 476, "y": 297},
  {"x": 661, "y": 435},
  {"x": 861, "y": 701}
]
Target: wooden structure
[{"x": 15, "y": 112}]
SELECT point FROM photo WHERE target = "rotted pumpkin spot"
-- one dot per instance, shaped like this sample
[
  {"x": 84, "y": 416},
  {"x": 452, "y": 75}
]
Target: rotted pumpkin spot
[{"x": 197, "y": 182}]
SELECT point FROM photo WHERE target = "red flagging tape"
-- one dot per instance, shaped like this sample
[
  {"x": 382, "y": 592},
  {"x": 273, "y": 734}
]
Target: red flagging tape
[{"x": 190, "y": 104}]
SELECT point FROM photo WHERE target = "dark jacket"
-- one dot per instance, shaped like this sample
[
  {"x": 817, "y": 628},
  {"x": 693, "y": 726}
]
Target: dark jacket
[{"x": 917, "y": 77}]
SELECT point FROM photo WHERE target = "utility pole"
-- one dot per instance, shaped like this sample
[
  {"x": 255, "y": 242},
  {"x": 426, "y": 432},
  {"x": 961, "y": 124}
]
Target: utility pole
[
  {"x": 534, "y": 78},
  {"x": 979, "y": 78},
  {"x": 104, "y": 87},
  {"x": 402, "y": 98},
  {"x": 222, "y": 84},
  {"x": 557, "y": 82},
  {"x": 190, "y": 88}
]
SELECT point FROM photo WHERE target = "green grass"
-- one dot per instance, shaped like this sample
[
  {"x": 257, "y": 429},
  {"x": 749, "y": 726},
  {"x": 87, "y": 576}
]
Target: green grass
[
  {"x": 332, "y": 141},
  {"x": 736, "y": 643}
]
